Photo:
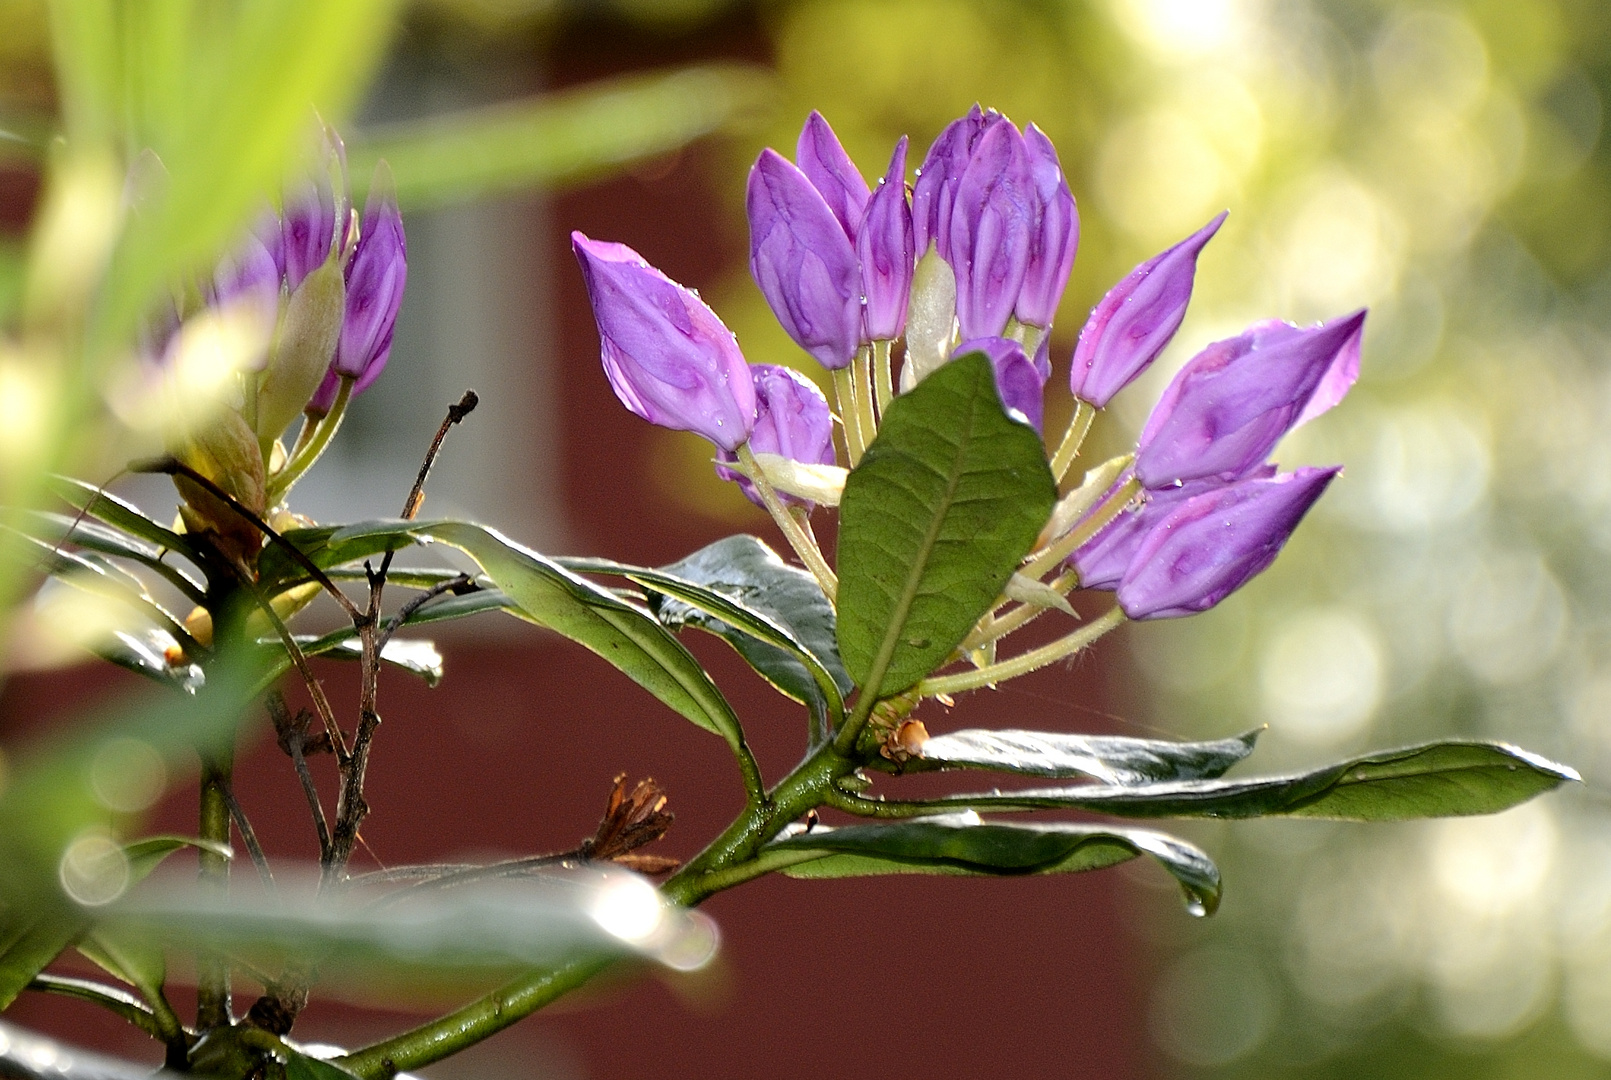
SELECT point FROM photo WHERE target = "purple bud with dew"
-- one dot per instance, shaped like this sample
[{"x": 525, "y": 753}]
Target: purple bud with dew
[
  {"x": 1102, "y": 560},
  {"x": 1136, "y": 319},
  {"x": 991, "y": 219},
  {"x": 1228, "y": 407},
  {"x": 885, "y": 250},
  {"x": 803, "y": 261},
  {"x": 1019, "y": 380},
  {"x": 1054, "y": 234},
  {"x": 934, "y": 193},
  {"x": 1214, "y": 543},
  {"x": 667, "y": 356},
  {"x": 792, "y": 420},
  {"x": 824, "y": 162}
]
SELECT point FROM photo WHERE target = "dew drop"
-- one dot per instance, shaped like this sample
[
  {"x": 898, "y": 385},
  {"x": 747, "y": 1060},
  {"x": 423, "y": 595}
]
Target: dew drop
[{"x": 1197, "y": 908}]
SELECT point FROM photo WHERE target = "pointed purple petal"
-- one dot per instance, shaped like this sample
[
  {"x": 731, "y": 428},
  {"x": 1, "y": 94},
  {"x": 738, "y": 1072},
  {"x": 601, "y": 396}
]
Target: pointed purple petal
[
  {"x": 1018, "y": 380},
  {"x": 824, "y": 162},
  {"x": 990, "y": 225},
  {"x": 792, "y": 419},
  {"x": 1054, "y": 235},
  {"x": 885, "y": 249}
]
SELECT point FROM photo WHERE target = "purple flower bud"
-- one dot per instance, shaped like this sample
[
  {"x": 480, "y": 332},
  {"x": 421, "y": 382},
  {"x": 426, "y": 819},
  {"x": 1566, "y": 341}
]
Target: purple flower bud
[
  {"x": 990, "y": 226},
  {"x": 792, "y": 419},
  {"x": 1054, "y": 234},
  {"x": 1136, "y": 319},
  {"x": 934, "y": 194},
  {"x": 1228, "y": 407},
  {"x": 1214, "y": 543},
  {"x": 667, "y": 356},
  {"x": 886, "y": 253},
  {"x": 1019, "y": 380},
  {"x": 824, "y": 162},
  {"x": 1102, "y": 560},
  {"x": 375, "y": 280},
  {"x": 803, "y": 261},
  {"x": 308, "y": 229},
  {"x": 249, "y": 275}
]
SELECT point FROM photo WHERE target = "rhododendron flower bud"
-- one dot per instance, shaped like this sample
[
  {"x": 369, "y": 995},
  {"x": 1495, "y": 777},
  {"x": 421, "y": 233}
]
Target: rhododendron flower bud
[
  {"x": 1214, "y": 543},
  {"x": 792, "y": 420},
  {"x": 1053, "y": 236},
  {"x": 667, "y": 356},
  {"x": 991, "y": 220},
  {"x": 1019, "y": 381},
  {"x": 803, "y": 261},
  {"x": 1228, "y": 407},
  {"x": 884, "y": 247},
  {"x": 934, "y": 193},
  {"x": 1102, "y": 560},
  {"x": 375, "y": 278},
  {"x": 1136, "y": 319},
  {"x": 824, "y": 162}
]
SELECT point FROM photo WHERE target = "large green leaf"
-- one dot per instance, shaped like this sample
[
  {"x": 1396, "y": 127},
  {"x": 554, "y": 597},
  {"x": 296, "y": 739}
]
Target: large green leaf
[
  {"x": 1446, "y": 779},
  {"x": 963, "y": 844},
  {"x": 35, "y": 936},
  {"x": 557, "y": 138},
  {"x": 934, "y": 520},
  {"x": 1111, "y": 759},
  {"x": 627, "y": 636},
  {"x": 774, "y": 615}
]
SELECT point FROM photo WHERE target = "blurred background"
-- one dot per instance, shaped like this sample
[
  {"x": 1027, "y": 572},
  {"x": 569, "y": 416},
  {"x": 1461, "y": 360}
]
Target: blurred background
[{"x": 1441, "y": 162}]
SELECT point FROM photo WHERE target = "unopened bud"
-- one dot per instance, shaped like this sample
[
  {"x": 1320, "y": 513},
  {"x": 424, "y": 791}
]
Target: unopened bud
[{"x": 306, "y": 341}]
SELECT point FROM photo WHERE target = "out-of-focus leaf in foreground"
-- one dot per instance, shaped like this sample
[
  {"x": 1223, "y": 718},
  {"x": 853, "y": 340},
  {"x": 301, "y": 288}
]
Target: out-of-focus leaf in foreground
[{"x": 558, "y": 138}]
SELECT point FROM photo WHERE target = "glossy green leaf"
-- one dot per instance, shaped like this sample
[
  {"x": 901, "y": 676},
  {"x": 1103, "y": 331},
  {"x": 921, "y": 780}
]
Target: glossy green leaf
[
  {"x": 115, "y": 999},
  {"x": 121, "y": 515},
  {"x": 628, "y": 637},
  {"x": 88, "y": 534},
  {"x": 963, "y": 844},
  {"x": 332, "y": 545},
  {"x": 95, "y": 574},
  {"x": 419, "y": 657},
  {"x": 934, "y": 520},
  {"x": 1447, "y": 779},
  {"x": 557, "y": 138},
  {"x": 300, "y": 1066},
  {"x": 1112, "y": 759},
  {"x": 145, "y": 652},
  {"x": 774, "y": 615}
]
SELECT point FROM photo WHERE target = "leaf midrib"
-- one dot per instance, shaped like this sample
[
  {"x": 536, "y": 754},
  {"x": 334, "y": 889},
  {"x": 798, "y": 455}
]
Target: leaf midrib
[{"x": 908, "y": 594}]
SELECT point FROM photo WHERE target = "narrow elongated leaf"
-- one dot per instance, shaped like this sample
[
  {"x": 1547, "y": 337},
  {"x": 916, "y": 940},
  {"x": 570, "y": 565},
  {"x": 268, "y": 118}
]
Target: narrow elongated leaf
[
  {"x": 145, "y": 652},
  {"x": 936, "y": 517},
  {"x": 1111, "y": 759},
  {"x": 121, "y": 515},
  {"x": 627, "y": 636},
  {"x": 300, "y": 1066},
  {"x": 332, "y": 545},
  {"x": 558, "y": 137},
  {"x": 91, "y": 535},
  {"x": 963, "y": 844},
  {"x": 774, "y": 615},
  {"x": 416, "y": 656},
  {"x": 1446, "y": 779}
]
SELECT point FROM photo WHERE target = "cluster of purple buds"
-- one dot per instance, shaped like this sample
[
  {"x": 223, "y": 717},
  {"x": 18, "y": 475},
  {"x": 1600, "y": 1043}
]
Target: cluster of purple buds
[
  {"x": 330, "y": 285},
  {"x": 974, "y": 257}
]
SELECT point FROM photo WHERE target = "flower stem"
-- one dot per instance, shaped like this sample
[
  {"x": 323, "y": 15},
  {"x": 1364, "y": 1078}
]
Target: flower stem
[
  {"x": 1024, "y": 663},
  {"x": 883, "y": 376},
  {"x": 1069, "y": 449},
  {"x": 212, "y": 976},
  {"x": 844, "y": 392},
  {"x": 804, "y": 544},
  {"x": 861, "y": 374},
  {"x": 308, "y": 453},
  {"x": 1075, "y": 538}
]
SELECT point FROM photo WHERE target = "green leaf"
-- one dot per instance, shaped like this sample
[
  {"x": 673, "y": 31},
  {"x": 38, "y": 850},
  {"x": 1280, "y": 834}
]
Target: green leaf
[
  {"x": 557, "y": 138},
  {"x": 774, "y": 615},
  {"x": 418, "y": 657},
  {"x": 57, "y": 529},
  {"x": 963, "y": 844},
  {"x": 122, "y": 515},
  {"x": 934, "y": 520},
  {"x": 1446, "y": 779},
  {"x": 332, "y": 545},
  {"x": 145, "y": 652},
  {"x": 300, "y": 1066},
  {"x": 627, "y": 636},
  {"x": 1111, "y": 759},
  {"x": 33, "y": 939}
]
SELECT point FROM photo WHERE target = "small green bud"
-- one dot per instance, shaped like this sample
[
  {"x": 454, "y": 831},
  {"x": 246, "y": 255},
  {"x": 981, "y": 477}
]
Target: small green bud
[
  {"x": 226, "y": 452},
  {"x": 303, "y": 346}
]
